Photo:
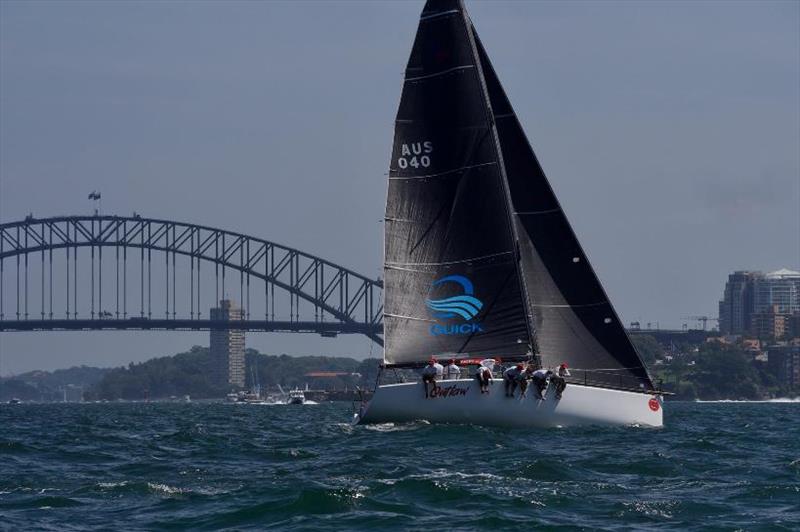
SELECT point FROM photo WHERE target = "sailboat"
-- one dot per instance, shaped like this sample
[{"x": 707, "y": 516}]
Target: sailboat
[{"x": 480, "y": 260}]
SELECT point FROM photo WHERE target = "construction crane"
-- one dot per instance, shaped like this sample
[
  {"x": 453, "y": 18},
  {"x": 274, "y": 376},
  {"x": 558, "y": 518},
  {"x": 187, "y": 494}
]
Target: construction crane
[{"x": 702, "y": 319}]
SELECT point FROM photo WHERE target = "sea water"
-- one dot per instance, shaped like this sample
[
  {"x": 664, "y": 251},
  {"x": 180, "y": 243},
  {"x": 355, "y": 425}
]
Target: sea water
[{"x": 715, "y": 466}]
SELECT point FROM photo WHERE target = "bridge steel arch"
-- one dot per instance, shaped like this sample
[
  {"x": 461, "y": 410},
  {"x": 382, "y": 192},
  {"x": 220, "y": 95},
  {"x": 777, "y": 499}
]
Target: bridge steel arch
[{"x": 343, "y": 301}]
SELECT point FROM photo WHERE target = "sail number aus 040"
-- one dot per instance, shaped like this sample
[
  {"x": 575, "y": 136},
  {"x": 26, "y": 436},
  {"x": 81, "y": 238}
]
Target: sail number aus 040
[{"x": 415, "y": 155}]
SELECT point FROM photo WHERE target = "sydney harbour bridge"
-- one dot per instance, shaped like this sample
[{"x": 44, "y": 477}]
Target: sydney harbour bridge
[{"x": 104, "y": 272}]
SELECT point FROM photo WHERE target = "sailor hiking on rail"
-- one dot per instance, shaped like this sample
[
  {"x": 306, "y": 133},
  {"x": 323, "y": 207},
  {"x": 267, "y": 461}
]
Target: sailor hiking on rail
[
  {"x": 484, "y": 375},
  {"x": 430, "y": 374},
  {"x": 452, "y": 371},
  {"x": 510, "y": 377},
  {"x": 539, "y": 378},
  {"x": 559, "y": 379}
]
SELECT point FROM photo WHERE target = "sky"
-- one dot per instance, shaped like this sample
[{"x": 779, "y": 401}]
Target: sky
[{"x": 670, "y": 132}]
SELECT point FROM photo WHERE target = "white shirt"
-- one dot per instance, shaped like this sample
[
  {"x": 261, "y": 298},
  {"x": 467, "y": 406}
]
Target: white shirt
[
  {"x": 488, "y": 363},
  {"x": 453, "y": 371},
  {"x": 439, "y": 370}
]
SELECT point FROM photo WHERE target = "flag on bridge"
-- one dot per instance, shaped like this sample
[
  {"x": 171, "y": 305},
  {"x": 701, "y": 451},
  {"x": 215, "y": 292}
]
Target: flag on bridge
[{"x": 94, "y": 195}]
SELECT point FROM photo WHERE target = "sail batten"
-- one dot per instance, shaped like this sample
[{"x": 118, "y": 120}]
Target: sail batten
[
  {"x": 448, "y": 263},
  {"x": 444, "y": 173},
  {"x": 534, "y": 213},
  {"x": 569, "y": 305},
  {"x": 425, "y": 17},
  {"x": 448, "y": 71}
]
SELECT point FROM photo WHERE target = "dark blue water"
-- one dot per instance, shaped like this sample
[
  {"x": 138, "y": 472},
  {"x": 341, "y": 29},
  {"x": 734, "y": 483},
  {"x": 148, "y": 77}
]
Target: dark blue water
[{"x": 716, "y": 466}]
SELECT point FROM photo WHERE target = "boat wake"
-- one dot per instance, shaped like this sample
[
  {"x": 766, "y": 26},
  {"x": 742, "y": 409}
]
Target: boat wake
[{"x": 397, "y": 427}]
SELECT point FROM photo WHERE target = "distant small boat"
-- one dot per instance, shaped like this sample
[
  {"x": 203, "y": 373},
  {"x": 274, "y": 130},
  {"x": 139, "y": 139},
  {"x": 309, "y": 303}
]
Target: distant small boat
[
  {"x": 14, "y": 401},
  {"x": 296, "y": 397},
  {"x": 244, "y": 397}
]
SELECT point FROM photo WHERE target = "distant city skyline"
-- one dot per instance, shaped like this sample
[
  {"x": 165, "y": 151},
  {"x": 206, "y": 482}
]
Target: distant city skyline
[{"x": 669, "y": 131}]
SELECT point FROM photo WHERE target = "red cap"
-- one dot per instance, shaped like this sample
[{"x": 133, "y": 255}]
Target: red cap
[
  {"x": 451, "y": 361},
  {"x": 563, "y": 364},
  {"x": 519, "y": 366}
]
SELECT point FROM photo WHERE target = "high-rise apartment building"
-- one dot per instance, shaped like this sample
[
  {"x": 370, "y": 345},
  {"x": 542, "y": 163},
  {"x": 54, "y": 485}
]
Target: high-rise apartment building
[
  {"x": 778, "y": 291},
  {"x": 736, "y": 307},
  {"x": 758, "y": 303},
  {"x": 769, "y": 325},
  {"x": 227, "y": 347}
]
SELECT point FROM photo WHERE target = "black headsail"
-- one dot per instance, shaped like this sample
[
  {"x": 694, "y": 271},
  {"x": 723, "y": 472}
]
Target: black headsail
[
  {"x": 451, "y": 273},
  {"x": 574, "y": 320}
]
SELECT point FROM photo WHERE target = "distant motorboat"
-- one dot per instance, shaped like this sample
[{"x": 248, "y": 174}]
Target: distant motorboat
[
  {"x": 296, "y": 397},
  {"x": 14, "y": 401},
  {"x": 244, "y": 397}
]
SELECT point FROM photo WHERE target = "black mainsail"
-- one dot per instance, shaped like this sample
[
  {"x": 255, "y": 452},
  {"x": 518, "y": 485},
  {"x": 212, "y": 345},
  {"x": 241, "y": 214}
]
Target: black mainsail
[
  {"x": 451, "y": 275},
  {"x": 480, "y": 259}
]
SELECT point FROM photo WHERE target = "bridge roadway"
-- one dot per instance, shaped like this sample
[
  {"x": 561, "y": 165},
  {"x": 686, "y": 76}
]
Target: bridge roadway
[{"x": 327, "y": 329}]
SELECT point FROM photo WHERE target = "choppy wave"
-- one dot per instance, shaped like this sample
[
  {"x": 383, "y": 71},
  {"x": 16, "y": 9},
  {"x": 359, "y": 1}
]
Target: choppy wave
[{"x": 209, "y": 466}]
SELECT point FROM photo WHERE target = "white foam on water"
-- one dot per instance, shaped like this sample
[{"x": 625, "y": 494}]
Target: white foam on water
[
  {"x": 168, "y": 490},
  {"x": 112, "y": 485},
  {"x": 401, "y": 427}
]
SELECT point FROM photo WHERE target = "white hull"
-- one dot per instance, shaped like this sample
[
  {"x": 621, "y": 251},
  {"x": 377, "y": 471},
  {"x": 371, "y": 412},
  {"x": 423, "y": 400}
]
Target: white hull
[{"x": 461, "y": 402}]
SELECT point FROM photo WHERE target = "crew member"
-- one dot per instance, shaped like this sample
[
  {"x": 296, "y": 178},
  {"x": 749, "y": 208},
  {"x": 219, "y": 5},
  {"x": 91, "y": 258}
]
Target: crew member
[
  {"x": 539, "y": 378},
  {"x": 484, "y": 376},
  {"x": 510, "y": 378},
  {"x": 429, "y": 375},
  {"x": 439, "y": 369},
  {"x": 523, "y": 378},
  {"x": 452, "y": 372},
  {"x": 559, "y": 379}
]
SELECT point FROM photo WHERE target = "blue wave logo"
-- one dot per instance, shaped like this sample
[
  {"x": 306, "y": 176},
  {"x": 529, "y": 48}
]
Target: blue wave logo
[{"x": 466, "y": 305}]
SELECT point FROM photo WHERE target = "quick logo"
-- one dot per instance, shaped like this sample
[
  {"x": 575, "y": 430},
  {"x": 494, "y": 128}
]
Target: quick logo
[{"x": 463, "y": 306}]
